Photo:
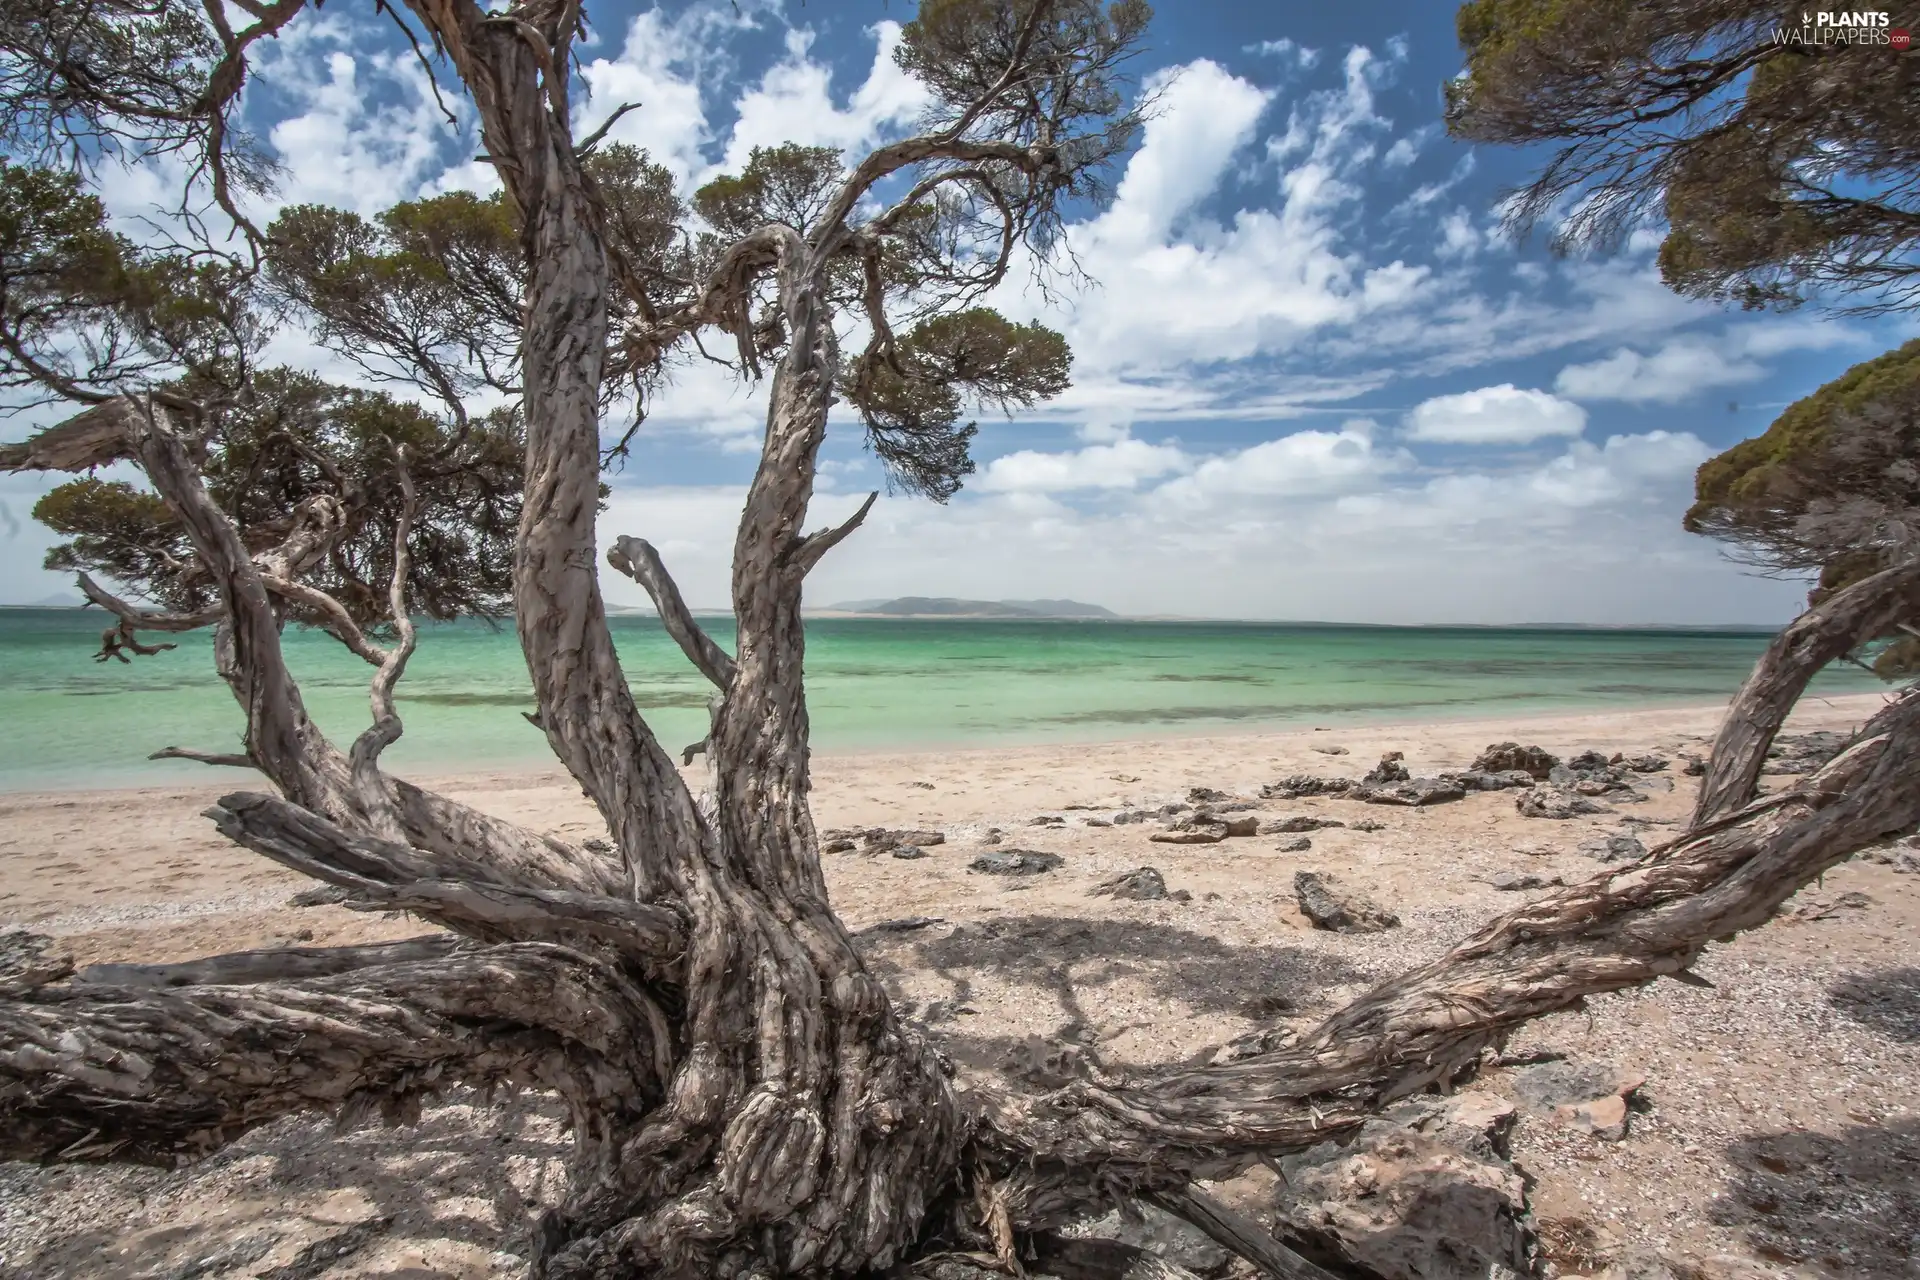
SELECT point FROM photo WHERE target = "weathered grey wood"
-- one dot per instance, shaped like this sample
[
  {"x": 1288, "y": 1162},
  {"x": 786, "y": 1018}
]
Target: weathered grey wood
[
  {"x": 93, "y": 438},
  {"x": 385, "y": 875},
  {"x": 163, "y": 1076},
  {"x": 290, "y": 964},
  {"x": 747, "y": 1103},
  {"x": 636, "y": 558},
  {"x": 1238, "y": 1234},
  {"x": 1823, "y": 634}
]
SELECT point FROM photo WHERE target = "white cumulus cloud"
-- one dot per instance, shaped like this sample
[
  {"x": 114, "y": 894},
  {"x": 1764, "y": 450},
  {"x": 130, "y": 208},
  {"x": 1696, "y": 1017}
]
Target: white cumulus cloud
[
  {"x": 1505, "y": 414},
  {"x": 1122, "y": 464}
]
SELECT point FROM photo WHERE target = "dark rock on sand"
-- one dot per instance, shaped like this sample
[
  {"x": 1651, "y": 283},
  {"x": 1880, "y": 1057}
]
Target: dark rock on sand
[
  {"x": 1414, "y": 793},
  {"x": 1299, "y": 844},
  {"x": 1616, "y": 847},
  {"x": 1305, "y": 784},
  {"x": 1503, "y": 757},
  {"x": 1556, "y": 803},
  {"x": 1480, "y": 780},
  {"x": 1590, "y": 1096},
  {"x": 1332, "y": 903},
  {"x": 1016, "y": 862},
  {"x": 1510, "y": 881},
  {"x": 1424, "y": 1191},
  {"x": 1389, "y": 770},
  {"x": 1144, "y": 884},
  {"x": 1299, "y": 822}
]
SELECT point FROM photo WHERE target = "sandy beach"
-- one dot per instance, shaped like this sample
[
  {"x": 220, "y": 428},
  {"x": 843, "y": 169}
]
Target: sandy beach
[{"x": 1777, "y": 1133}]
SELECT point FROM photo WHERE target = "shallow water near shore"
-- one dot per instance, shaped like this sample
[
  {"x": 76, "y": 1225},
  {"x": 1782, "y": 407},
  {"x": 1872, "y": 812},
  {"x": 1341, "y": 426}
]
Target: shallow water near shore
[{"x": 872, "y": 683}]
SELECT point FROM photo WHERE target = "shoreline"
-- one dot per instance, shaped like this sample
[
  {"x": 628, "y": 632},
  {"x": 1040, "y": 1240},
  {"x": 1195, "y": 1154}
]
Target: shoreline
[{"x": 548, "y": 772}]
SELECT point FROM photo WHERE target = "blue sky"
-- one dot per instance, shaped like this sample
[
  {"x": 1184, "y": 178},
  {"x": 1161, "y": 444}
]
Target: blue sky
[{"x": 1312, "y": 380}]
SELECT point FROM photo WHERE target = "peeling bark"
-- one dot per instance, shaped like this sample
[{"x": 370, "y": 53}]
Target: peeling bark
[
  {"x": 158, "y": 1077},
  {"x": 90, "y": 439},
  {"x": 1823, "y": 634},
  {"x": 291, "y": 964}
]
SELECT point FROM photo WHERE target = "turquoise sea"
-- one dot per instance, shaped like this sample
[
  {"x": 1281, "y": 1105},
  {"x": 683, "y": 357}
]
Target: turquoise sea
[{"x": 67, "y": 721}]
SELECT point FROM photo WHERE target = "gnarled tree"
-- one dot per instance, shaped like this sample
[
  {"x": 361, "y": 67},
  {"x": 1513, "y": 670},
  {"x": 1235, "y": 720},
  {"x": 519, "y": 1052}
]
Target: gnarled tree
[
  {"x": 745, "y": 1100},
  {"x": 1779, "y": 160}
]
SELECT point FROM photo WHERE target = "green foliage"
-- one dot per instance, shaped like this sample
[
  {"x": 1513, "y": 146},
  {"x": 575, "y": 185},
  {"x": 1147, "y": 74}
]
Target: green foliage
[
  {"x": 1779, "y": 170},
  {"x": 116, "y": 530},
  {"x": 1795, "y": 456},
  {"x": 913, "y": 403},
  {"x": 81, "y": 306},
  {"x": 1832, "y": 488},
  {"x": 291, "y": 437},
  {"x": 640, "y": 215},
  {"x": 427, "y": 292},
  {"x": 790, "y": 184}
]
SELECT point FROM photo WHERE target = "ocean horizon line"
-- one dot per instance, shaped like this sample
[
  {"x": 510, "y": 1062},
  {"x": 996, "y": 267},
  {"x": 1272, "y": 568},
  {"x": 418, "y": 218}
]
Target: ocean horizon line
[{"x": 838, "y": 615}]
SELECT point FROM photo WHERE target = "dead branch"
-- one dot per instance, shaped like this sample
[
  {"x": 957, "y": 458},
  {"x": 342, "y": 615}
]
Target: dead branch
[
  {"x": 89, "y": 439},
  {"x": 292, "y": 964},
  {"x": 1824, "y": 633},
  {"x": 593, "y": 139},
  {"x": 160, "y": 1077},
  {"x": 1238, "y": 1234},
  {"x": 814, "y": 546},
  {"x": 237, "y": 760},
  {"x": 637, "y": 558}
]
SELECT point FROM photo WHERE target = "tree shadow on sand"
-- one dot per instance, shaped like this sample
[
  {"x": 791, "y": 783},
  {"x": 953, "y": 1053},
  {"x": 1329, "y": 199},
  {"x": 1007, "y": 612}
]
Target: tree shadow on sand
[
  {"x": 1068, "y": 957},
  {"x": 467, "y": 1174},
  {"x": 1888, "y": 1001},
  {"x": 1846, "y": 1204}
]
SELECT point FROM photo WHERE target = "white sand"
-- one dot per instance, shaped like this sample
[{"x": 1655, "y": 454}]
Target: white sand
[{"x": 1768, "y": 1072}]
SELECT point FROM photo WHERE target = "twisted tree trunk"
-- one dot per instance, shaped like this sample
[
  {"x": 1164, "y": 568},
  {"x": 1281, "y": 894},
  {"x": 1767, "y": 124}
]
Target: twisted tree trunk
[{"x": 745, "y": 1100}]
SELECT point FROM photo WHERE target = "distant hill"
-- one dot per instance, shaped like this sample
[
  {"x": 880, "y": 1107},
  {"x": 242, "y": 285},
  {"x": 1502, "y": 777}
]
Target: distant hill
[{"x": 947, "y": 607}]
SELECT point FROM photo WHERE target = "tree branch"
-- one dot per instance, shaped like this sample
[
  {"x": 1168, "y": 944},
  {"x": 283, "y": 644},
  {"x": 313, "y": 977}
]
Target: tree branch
[
  {"x": 291, "y": 750},
  {"x": 167, "y": 1075},
  {"x": 1238, "y": 1234},
  {"x": 388, "y": 875},
  {"x": 292, "y": 964},
  {"x": 592, "y": 140},
  {"x": 237, "y": 760},
  {"x": 145, "y": 619},
  {"x": 637, "y": 558},
  {"x": 1824, "y": 633},
  {"x": 87, "y": 440},
  {"x": 382, "y": 815},
  {"x": 816, "y": 545}
]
